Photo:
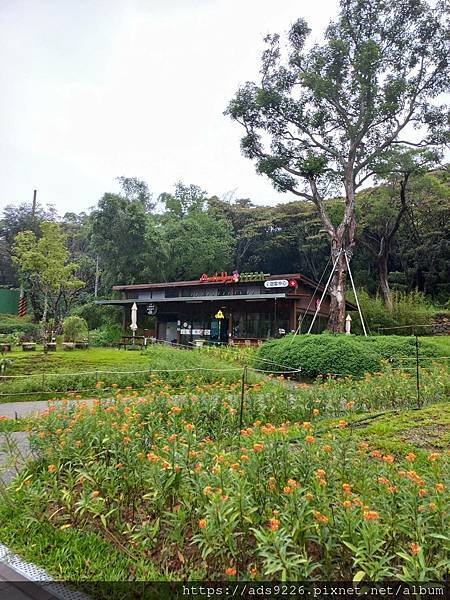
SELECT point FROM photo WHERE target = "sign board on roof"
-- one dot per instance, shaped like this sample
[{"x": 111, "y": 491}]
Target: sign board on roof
[{"x": 276, "y": 283}]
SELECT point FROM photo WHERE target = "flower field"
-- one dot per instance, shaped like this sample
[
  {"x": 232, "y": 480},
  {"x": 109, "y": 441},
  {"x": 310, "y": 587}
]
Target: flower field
[{"x": 187, "y": 482}]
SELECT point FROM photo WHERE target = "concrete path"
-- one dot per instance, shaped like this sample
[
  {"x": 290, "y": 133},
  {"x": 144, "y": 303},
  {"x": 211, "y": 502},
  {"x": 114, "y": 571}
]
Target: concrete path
[
  {"x": 12, "y": 459},
  {"x": 13, "y": 410},
  {"x": 17, "y": 439},
  {"x": 16, "y": 410}
]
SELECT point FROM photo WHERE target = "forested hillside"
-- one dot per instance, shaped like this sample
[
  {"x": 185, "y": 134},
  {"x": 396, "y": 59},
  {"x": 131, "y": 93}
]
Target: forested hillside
[{"x": 132, "y": 237}]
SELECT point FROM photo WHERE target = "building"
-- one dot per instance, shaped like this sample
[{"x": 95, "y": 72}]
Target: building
[{"x": 241, "y": 308}]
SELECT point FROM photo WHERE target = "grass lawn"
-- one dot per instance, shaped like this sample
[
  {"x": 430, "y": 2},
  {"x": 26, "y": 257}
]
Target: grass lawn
[
  {"x": 326, "y": 481},
  {"x": 35, "y": 375},
  {"x": 441, "y": 342}
]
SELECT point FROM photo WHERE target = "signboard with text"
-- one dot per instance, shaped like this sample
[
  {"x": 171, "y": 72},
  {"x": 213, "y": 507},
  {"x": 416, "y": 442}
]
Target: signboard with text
[{"x": 276, "y": 283}]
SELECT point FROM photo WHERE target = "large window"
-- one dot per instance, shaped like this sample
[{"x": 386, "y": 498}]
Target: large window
[{"x": 258, "y": 325}]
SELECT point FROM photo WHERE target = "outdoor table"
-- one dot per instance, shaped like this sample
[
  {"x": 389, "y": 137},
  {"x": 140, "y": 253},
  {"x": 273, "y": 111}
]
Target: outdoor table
[{"x": 129, "y": 340}]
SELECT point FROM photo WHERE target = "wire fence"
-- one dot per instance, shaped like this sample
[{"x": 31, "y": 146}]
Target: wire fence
[{"x": 49, "y": 381}]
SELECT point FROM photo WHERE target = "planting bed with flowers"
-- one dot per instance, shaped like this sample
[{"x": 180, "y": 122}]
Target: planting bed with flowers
[{"x": 185, "y": 482}]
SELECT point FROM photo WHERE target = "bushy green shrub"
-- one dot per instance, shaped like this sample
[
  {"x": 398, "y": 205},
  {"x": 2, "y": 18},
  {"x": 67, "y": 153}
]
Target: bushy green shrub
[
  {"x": 409, "y": 310},
  {"x": 105, "y": 336},
  {"x": 98, "y": 316},
  {"x": 75, "y": 329},
  {"x": 21, "y": 325},
  {"x": 339, "y": 354}
]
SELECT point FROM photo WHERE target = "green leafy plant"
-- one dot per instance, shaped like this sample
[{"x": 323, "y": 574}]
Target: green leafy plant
[
  {"x": 338, "y": 354},
  {"x": 75, "y": 329}
]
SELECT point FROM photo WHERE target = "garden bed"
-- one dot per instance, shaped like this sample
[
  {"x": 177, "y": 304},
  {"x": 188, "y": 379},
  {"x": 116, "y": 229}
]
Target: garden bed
[{"x": 178, "y": 488}]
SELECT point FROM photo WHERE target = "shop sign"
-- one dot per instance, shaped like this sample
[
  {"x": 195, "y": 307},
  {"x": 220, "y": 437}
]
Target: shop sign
[
  {"x": 254, "y": 276},
  {"x": 222, "y": 277},
  {"x": 276, "y": 283},
  {"x": 234, "y": 277},
  {"x": 152, "y": 309},
  {"x": 197, "y": 332},
  {"x": 219, "y": 315},
  {"x": 184, "y": 331}
]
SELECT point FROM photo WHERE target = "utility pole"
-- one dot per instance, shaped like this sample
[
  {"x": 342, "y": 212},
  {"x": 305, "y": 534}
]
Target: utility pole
[
  {"x": 96, "y": 278},
  {"x": 33, "y": 207}
]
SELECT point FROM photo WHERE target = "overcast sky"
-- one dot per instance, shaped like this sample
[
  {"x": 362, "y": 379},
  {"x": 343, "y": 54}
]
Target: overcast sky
[{"x": 92, "y": 90}]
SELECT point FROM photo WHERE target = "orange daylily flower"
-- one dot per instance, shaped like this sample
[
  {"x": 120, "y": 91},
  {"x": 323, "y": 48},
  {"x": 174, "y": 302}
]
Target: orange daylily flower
[
  {"x": 371, "y": 515},
  {"x": 274, "y": 524},
  {"x": 320, "y": 517},
  {"x": 415, "y": 549},
  {"x": 434, "y": 456}
]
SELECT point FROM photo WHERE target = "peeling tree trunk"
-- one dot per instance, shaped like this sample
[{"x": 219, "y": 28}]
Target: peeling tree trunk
[
  {"x": 343, "y": 238},
  {"x": 336, "y": 321}
]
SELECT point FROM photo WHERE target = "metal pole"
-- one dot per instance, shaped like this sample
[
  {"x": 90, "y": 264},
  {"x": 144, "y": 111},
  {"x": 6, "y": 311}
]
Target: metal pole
[
  {"x": 241, "y": 408},
  {"x": 275, "y": 318},
  {"x": 419, "y": 402},
  {"x": 324, "y": 291},
  {"x": 356, "y": 295}
]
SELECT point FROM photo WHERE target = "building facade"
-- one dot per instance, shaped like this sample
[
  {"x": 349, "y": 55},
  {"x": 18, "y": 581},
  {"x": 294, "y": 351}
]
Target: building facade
[{"x": 240, "y": 308}]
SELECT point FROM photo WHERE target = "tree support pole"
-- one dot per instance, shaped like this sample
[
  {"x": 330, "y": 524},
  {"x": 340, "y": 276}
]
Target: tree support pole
[
  {"x": 356, "y": 295},
  {"x": 241, "y": 408},
  {"x": 325, "y": 290}
]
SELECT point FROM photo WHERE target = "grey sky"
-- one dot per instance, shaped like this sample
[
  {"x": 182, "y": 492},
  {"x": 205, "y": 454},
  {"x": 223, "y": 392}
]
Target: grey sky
[{"x": 92, "y": 90}]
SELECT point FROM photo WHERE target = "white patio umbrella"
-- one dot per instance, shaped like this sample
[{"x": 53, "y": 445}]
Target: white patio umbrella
[{"x": 133, "y": 325}]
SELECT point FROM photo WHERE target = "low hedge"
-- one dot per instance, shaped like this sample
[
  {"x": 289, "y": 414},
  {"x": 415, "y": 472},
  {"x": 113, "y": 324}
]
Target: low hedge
[
  {"x": 21, "y": 325},
  {"x": 340, "y": 355}
]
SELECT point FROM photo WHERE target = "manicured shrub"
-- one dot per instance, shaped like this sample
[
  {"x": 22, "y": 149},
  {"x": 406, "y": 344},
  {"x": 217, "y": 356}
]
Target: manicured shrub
[
  {"x": 338, "y": 354},
  {"x": 319, "y": 355}
]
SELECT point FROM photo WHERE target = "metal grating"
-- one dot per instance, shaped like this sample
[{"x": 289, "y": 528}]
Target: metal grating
[{"x": 36, "y": 574}]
